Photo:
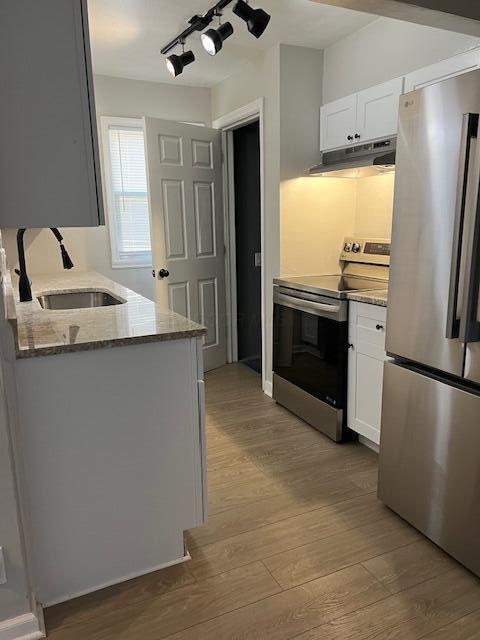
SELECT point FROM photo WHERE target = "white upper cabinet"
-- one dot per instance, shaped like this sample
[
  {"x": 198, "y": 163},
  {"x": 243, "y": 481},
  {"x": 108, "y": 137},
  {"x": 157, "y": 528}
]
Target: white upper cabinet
[
  {"x": 360, "y": 117},
  {"x": 49, "y": 161},
  {"x": 443, "y": 70},
  {"x": 337, "y": 122},
  {"x": 377, "y": 110}
]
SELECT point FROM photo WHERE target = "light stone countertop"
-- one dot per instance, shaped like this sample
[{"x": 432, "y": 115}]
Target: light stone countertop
[
  {"x": 377, "y": 297},
  {"x": 43, "y": 332}
]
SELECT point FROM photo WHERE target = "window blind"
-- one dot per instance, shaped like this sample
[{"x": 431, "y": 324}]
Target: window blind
[{"x": 129, "y": 195}]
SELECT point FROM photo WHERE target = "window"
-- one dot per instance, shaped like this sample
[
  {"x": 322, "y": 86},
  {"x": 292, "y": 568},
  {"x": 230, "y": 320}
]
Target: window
[{"x": 126, "y": 192}]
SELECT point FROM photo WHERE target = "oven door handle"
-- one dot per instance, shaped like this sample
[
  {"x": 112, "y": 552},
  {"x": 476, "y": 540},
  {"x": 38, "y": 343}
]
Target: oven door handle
[{"x": 306, "y": 305}]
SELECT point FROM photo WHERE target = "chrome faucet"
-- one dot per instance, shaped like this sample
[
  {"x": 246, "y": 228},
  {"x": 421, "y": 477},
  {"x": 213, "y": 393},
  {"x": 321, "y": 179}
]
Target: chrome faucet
[{"x": 24, "y": 288}]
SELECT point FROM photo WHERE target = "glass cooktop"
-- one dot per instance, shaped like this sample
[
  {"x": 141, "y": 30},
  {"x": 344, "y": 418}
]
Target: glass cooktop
[{"x": 334, "y": 285}]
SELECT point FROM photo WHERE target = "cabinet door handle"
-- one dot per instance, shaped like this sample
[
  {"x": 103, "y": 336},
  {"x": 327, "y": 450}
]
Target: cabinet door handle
[
  {"x": 349, "y": 137},
  {"x": 350, "y": 345},
  {"x": 357, "y": 136},
  {"x": 379, "y": 327}
]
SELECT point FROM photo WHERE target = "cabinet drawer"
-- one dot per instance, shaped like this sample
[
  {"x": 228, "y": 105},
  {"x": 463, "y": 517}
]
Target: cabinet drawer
[
  {"x": 371, "y": 331},
  {"x": 367, "y": 325}
]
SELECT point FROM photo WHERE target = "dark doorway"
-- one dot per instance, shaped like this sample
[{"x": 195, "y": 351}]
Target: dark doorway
[{"x": 246, "y": 150}]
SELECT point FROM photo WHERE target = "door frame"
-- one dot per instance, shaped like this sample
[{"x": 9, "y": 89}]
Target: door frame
[{"x": 251, "y": 112}]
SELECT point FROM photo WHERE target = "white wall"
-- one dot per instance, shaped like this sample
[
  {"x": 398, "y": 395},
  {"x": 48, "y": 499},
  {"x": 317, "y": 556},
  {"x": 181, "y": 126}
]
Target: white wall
[
  {"x": 317, "y": 213},
  {"x": 374, "y": 206},
  {"x": 261, "y": 79},
  {"x": 90, "y": 248},
  {"x": 385, "y": 49},
  {"x": 136, "y": 98},
  {"x": 301, "y": 73}
]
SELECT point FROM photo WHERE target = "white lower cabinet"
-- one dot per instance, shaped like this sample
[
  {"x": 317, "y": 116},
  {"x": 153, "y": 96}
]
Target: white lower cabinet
[
  {"x": 367, "y": 355},
  {"x": 113, "y": 460}
]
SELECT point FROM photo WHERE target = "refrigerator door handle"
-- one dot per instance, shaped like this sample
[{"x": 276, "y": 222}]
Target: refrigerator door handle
[
  {"x": 469, "y": 133},
  {"x": 470, "y": 319}
]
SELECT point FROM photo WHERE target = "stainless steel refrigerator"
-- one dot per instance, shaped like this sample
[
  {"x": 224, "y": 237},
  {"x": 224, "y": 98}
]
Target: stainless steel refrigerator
[{"x": 430, "y": 443}]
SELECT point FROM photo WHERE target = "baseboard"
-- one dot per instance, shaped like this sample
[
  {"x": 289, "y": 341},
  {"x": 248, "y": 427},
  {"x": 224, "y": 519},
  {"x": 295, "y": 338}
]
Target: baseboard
[
  {"x": 26, "y": 627},
  {"x": 111, "y": 583},
  {"x": 368, "y": 443},
  {"x": 268, "y": 388}
]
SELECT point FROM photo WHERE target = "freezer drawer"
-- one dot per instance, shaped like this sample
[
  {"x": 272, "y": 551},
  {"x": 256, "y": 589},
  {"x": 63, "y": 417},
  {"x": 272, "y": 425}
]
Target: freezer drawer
[{"x": 429, "y": 470}]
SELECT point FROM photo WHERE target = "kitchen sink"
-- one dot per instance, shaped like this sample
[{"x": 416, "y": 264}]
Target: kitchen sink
[{"x": 78, "y": 300}]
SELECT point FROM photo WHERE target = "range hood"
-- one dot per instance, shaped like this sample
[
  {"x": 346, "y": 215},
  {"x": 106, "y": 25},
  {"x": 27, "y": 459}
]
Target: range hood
[{"x": 361, "y": 160}]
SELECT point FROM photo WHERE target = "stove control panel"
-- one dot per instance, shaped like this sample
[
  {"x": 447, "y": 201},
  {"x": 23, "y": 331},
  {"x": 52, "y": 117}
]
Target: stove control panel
[{"x": 366, "y": 250}]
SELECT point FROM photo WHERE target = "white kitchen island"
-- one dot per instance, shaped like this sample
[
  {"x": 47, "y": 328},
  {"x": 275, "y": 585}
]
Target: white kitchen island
[{"x": 111, "y": 433}]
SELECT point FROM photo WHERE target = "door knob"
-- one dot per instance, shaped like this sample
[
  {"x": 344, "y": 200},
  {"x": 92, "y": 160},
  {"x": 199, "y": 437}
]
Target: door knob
[{"x": 163, "y": 273}]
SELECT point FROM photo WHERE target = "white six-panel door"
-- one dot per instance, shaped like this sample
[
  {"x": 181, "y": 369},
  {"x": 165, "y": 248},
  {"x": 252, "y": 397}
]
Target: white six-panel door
[{"x": 186, "y": 210}]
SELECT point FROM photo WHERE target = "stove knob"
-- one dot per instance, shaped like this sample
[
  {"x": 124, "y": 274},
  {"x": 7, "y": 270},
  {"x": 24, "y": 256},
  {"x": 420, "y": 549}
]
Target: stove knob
[
  {"x": 348, "y": 246},
  {"x": 356, "y": 247}
]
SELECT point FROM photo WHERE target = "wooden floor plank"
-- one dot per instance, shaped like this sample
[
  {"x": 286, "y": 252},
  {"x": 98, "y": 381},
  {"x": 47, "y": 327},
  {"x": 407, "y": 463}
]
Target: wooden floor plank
[
  {"x": 179, "y": 609},
  {"x": 288, "y": 454},
  {"x": 343, "y": 549},
  {"x": 287, "y": 614},
  {"x": 410, "y": 614},
  {"x": 294, "y": 480},
  {"x": 467, "y": 628},
  {"x": 270, "y": 510},
  {"x": 270, "y": 430},
  {"x": 310, "y": 527},
  {"x": 410, "y": 565},
  {"x": 104, "y": 602},
  {"x": 225, "y": 476}
]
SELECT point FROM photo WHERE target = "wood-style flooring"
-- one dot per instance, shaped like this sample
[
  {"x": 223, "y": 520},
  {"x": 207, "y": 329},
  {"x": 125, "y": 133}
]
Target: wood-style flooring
[{"x": 297, "y": 546}]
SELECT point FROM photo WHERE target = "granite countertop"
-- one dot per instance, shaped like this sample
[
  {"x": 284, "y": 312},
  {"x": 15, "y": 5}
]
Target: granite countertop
[
  {"x": 378, "y": 297},
  {"x": 44, "y": 332}
]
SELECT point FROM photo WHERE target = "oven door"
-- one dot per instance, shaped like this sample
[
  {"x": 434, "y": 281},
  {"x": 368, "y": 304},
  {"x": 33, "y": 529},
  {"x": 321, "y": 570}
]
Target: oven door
[{"x": 310, "y": 344}]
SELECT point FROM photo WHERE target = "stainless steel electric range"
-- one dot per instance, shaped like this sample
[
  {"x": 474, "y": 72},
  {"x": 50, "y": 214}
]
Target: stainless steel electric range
[{"x": 310, "y": 334}]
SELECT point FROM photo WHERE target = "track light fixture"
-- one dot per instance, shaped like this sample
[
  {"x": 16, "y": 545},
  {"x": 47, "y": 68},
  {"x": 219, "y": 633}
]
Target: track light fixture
[
  {"x": 176, "y": 64},
  {"x": 257, "y": 19},
  {"x": 213, "y": 39}
]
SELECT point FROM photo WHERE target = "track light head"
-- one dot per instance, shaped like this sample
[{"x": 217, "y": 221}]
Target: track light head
[
  {"x": 176, "y": 64},
  {"x": 213, "y": 39},
  {"x": 257, "y": 19}
]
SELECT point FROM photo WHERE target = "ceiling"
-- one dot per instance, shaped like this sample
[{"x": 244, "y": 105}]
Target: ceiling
[{"x": 127, "y": 35}]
